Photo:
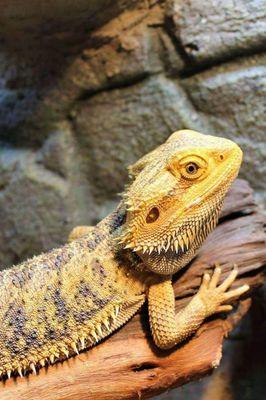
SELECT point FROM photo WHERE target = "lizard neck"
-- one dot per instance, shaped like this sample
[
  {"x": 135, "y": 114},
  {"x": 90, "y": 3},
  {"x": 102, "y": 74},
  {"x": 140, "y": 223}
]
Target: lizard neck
[{"x": 133, "y": 265}]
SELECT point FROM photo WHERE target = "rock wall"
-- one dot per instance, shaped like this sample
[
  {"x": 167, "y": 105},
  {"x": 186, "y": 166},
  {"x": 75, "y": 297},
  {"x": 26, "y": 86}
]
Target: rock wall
[{"x": 88, "y": 89}]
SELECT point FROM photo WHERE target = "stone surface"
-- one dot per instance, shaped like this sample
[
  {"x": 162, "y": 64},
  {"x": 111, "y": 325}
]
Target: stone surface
[
  {"x": 31, "y": 198},
  {"x": 232, "y": 98},
  {"x": 78, "y": 105},
  {"x": 213, "y": 29},
  {"x": 134, "y": 120},
  {"x": 42, "y": 197},
  {"x": 60, "y": 16}
]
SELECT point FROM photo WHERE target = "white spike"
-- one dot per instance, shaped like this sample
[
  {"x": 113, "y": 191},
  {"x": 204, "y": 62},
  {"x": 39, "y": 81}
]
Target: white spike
[
  {"x": 66, "y": 352},
  {"x": 129, "y": 246},
  {"x": 186, "y": 241},
  {"x": 106, "y": 324},
  {"x": 82, "y": 343},
  {"x": 181, "y": 243},
  {"x": 32, "y": 366},
  {"x": 99, "y": 330},
  {"x": 93, "y": 334},
  {"x": 20, "y": 372},
  {"x": 167, "y": 245},
  {"x": 113, "y": 316},
  {"x": 151, "y": 249},
  {"x": 74, "y": 347},
  {"x": 144, "y": 249},
  {"x": 137, "y": 248}
]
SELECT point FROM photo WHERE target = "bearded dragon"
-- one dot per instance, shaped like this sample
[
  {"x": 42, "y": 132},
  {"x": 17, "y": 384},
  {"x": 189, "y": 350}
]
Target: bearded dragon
[{"x": 60, "y": 302}]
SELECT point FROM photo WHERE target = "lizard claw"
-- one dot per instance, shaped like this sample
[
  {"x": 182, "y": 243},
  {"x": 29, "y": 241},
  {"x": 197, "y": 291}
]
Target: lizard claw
[{"x": 214, "y": 296}]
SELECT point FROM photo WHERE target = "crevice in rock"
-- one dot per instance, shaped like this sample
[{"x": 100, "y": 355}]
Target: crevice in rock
[
  {"x": 169, "y": 28},
  {"x": 197, "y": 67},
  {"x": 116, "y": 85},
  {"x": 194, "y": 67}
]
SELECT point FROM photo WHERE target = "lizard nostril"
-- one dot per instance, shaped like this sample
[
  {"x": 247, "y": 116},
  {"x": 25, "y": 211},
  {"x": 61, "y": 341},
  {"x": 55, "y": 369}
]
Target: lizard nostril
[{"x": 221, "y": 157}]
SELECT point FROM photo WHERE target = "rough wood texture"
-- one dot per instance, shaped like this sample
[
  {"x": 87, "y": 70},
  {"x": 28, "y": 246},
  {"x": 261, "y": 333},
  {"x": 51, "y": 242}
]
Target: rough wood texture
[{"x": 127, "y": 365}]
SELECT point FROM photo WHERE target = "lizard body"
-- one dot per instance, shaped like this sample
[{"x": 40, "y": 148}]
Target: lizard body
[{"x": 63, "y": 301}]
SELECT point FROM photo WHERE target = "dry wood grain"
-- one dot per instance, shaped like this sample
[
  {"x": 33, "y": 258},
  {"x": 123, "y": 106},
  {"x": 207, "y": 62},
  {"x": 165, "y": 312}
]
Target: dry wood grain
[{"x": 127, "y": 365}]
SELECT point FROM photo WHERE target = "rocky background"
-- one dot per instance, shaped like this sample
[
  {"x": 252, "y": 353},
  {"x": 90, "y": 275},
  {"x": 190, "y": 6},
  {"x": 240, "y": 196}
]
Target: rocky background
[{"x": 87, "y": 87}]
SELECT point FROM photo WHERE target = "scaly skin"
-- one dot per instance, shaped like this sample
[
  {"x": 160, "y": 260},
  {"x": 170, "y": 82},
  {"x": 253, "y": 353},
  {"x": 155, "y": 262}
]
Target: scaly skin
[{"x": 66, "y": 300}]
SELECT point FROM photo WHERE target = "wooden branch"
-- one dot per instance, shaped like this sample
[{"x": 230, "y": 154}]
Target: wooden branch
[{"x": 127, "y": 365}]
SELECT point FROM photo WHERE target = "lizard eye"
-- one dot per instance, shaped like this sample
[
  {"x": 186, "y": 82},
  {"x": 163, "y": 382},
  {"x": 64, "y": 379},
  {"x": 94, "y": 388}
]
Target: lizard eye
[
  {"x": 192, "y": 168},
  {"x": 153, "y": 215}
]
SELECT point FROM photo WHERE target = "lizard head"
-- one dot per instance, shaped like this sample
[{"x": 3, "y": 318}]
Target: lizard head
[{"x": 175, "y": 197}]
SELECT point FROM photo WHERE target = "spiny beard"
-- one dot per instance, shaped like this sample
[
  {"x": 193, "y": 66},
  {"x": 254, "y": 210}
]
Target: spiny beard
[
  {"x": 191, "y": 237},
  {"x": 170, "y": 261},
  {"x": 179, "y": 240}
]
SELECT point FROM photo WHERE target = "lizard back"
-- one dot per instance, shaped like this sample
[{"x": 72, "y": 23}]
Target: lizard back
[{"x": 63, "y": 301}]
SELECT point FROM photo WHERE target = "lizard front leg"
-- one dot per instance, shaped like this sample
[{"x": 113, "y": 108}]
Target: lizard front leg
[
  {"x": 80, "y": 231},
  {"x": 169, "y": 328}
]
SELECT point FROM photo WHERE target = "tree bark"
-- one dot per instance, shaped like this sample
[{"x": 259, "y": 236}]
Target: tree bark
[{"x": 127, "y": 365}]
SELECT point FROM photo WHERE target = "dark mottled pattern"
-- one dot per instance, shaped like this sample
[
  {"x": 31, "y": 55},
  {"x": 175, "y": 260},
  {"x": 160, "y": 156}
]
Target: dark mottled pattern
[
  {"x": 32, "y": 338},
  {"x": 86, "y": 290},
  {"x": 52, "y": 334},
  {"x": 14, "y": 348},
  {"x": 57, "y": 298},
  {"x": 95, "y": 238},
  {"x": 84, "y": 315},
  {"x": 62, "y": 310},
  {"x": 99, "y": 271},
  {"x": 117, "y": 221},
  {"x": 16, "y": 317}
]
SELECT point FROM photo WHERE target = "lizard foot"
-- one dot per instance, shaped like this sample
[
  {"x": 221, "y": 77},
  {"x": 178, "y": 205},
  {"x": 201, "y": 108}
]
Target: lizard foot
[{"x": 213, "y": 296}]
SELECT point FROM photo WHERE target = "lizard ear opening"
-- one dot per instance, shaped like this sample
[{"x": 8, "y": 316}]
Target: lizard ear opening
[{"x": 153, "y": 215}]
